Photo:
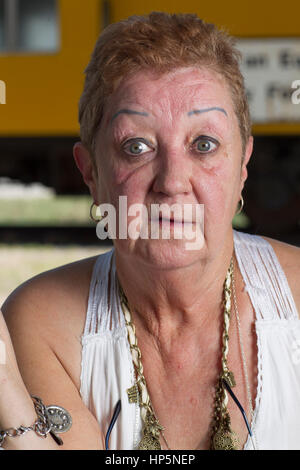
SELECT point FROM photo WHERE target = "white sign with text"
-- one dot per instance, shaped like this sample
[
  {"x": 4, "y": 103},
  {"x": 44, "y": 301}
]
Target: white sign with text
[{"x": 271, "y": 68}]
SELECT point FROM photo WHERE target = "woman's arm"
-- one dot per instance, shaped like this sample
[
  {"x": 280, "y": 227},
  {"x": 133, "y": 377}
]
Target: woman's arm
[
  {"x": 16, "y": 406},
  {"x": 50, "y": 382}
]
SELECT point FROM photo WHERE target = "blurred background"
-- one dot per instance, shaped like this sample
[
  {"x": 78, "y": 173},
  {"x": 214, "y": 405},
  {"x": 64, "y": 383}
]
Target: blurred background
[{"x": 45, "y": 46}]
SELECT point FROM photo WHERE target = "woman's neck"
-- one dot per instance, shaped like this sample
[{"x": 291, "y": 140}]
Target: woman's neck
[{"x": 165, "y": 300}]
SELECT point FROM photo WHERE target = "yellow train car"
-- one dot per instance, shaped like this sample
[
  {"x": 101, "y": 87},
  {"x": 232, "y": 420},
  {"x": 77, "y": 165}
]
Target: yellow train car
[
  {"x": 38, "y": 122},
  {"x": 46, "y": 44}
]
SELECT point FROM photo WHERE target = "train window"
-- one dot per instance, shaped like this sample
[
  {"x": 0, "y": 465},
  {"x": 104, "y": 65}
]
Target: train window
[
  {"x": 29, "y": 26},
  {"x": 2, "y": 40},
  {"x": 38, "y": 29}
]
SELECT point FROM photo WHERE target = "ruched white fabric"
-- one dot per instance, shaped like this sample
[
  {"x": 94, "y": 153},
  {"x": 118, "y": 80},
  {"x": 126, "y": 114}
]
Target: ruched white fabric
[{"x": 107, "y": 369}]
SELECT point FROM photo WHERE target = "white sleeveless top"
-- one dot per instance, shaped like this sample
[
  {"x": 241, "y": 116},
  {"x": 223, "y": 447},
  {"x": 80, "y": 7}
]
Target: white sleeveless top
[{"x": 107, "y": 369}]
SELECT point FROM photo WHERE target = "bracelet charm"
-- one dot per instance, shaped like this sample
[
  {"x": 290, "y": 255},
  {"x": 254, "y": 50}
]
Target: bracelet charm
[
  {"x": 59, "y": 418},
  {"x": 50, "y": 419}
]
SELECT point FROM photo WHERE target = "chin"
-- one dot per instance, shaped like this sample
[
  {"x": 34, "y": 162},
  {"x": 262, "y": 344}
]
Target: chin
[{"x": 162, "y": 254}]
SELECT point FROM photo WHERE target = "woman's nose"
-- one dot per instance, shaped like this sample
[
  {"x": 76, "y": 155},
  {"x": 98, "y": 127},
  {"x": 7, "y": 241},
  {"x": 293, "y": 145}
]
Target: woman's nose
[{"x": 173, "y": 175}]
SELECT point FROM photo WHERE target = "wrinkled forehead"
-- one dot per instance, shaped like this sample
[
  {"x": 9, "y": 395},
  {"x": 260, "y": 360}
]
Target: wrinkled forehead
[{"x": 175, "y": 93}]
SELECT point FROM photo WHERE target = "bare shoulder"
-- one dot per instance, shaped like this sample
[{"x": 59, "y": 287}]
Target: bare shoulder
[
  {"x": 289, "y": 258},
  {"x": 54, "y": 303}
]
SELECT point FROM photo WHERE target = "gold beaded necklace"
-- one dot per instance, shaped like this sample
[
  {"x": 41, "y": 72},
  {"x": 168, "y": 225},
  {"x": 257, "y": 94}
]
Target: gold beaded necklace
[{"x": 223, "y": 437}]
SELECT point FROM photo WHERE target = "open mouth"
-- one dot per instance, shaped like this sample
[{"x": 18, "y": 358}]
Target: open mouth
[{"x": 173, "y": 221}]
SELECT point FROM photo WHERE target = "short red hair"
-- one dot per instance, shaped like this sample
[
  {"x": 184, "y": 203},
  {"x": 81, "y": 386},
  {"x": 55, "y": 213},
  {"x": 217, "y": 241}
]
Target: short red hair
[{"x": 158, "y": 42}]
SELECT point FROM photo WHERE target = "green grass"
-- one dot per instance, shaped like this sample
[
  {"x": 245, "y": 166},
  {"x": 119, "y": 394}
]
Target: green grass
[
  {"x": 58, "y": 210},
  {"x": 241, "y": 221},
  {"x": 21, "y": 262},
  {"x": 61, "y": 210}
]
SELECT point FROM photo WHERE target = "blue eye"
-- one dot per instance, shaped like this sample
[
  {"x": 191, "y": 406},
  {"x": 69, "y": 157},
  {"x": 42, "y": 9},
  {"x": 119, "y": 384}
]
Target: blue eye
[
  {"x": 206, "y": 144},
  {"x": 136, "y": 147}
]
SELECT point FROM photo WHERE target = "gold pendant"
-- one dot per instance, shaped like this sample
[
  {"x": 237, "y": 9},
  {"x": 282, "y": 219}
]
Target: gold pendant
[
  {"x": 133, "y": 394},
  {"x": 151, "y": 433},
  {"x": 225, "y": 439},
  {"x": 230, "y": 378},
  {"x": 149, "y": 442}
]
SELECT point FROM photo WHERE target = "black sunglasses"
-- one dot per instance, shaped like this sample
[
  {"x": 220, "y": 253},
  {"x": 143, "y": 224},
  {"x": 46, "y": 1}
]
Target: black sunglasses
[
  {"x": 228, "y": 388},
  {"x": 112, "y": 423}
]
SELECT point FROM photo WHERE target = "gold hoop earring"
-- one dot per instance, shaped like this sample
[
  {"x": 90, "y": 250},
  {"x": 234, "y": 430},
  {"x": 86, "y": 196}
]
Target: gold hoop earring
[
  {"x": 241, "y": 206},
  {"x": 91, "y": 213}
]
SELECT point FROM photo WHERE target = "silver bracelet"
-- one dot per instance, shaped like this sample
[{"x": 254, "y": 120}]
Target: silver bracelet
[{"x": 51, "y": 419}]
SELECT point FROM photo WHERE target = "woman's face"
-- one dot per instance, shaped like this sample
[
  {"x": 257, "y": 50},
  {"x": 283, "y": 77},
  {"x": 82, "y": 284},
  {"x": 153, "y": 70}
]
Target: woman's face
[{"x": 172, "y": 139}]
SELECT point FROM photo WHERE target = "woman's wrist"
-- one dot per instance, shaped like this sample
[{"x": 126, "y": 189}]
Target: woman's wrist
[
  {"x": 16, "y": 407},
  {"x": 23, "y": 413}
]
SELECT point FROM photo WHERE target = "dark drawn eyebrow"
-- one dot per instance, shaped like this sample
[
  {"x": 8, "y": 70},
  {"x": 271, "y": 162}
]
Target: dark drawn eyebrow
[
  {"x": 128, "y": 111},
  {"x": 199, "y": 111}
]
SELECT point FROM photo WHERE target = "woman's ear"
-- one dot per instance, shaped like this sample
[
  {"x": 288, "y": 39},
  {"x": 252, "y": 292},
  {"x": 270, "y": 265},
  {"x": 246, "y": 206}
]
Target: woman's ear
[
  {"x": 246, "y": 158},
  {"x": 87, "y": 167}
]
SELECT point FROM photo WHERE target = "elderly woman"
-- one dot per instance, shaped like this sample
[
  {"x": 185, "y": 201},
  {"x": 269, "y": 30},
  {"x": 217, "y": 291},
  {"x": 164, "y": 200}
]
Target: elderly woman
[{"x": 156, "y": 345}]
